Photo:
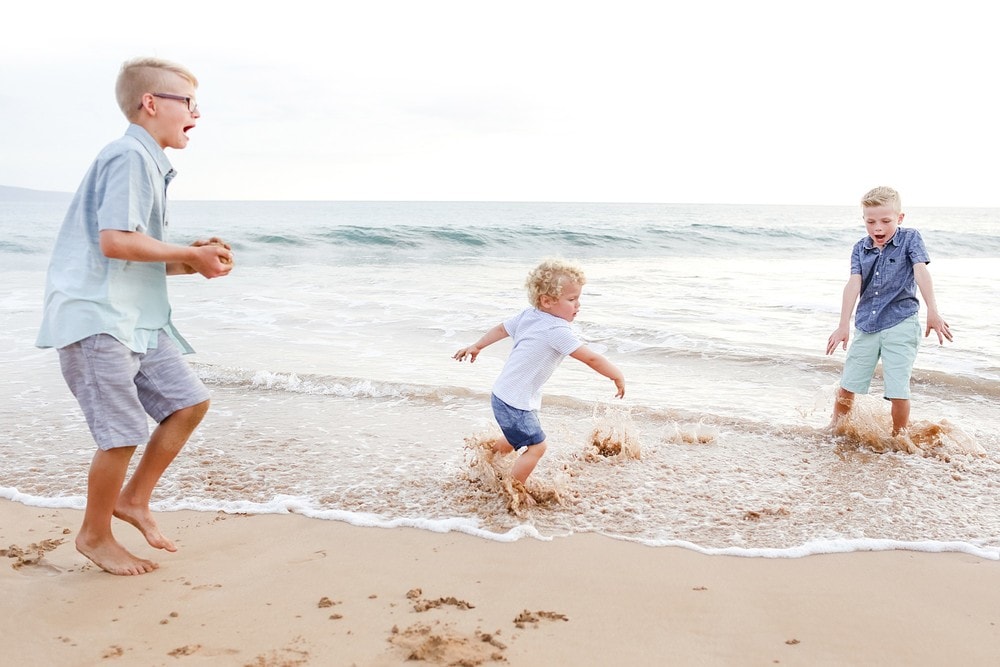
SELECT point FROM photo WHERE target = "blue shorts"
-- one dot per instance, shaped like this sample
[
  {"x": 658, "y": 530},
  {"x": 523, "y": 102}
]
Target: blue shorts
[
  {"x": 116, "y": 387},
  {"x": 520, "y": 427},
  {"x": 896, "y": 346}
]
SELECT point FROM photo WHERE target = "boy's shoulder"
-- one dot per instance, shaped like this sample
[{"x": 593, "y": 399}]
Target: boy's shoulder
[{"x": 536, "y": 320}]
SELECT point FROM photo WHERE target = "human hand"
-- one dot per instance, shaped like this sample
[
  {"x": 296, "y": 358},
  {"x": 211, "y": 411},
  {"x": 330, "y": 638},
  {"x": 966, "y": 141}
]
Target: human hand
[
  {"x": 216, "y": 241},
  {"x": 620, "y": 384},
  {"x": 213, "y": 258},
  {"x": 472, "y": 352},
  {"x": 940, "y": 327},
  {"x": 840, "y": 336}
]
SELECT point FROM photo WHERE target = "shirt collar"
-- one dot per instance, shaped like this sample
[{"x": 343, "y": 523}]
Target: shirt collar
[
  {"x": 870, "y": 245},
  {"x": 140, "y": 134}
]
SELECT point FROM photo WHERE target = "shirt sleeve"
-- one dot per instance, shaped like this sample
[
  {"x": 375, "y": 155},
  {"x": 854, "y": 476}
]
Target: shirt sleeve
[
  {"x": 127, "y": 198},
  {"x": 856, "y": 258},
  {"x": 916, "y": 251},
  {"x": 563, "y": 340},
  {"x": 510, "y": 324}
]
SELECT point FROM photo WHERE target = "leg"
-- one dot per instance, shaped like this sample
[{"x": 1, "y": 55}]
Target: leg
[
  {"x": 841, "y": 406},
  {"x": 164, "y": 445},
  {"x": 95, "y": 539},
  {"x": 900, "y": 414},
  {"x": 527, "y": 461},
  {"x": 899, "y": 354},
  {"x": 502, "y": 447}
]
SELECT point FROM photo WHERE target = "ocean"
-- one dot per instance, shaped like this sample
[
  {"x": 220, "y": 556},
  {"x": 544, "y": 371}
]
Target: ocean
[{"x": 329, "y": 348}]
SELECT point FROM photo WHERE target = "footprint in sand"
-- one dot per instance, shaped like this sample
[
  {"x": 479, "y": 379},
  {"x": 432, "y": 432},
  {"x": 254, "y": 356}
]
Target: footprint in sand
[{"x": 30, "y": 560}]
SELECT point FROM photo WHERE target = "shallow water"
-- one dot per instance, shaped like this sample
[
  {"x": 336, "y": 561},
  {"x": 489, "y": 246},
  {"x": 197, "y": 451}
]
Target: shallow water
[{"x": 328, "y": 353}]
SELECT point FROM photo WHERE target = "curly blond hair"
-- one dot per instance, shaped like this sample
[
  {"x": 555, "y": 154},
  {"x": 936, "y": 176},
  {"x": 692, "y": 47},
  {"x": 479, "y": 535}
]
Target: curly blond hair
[{"x": 549, "y": 277}]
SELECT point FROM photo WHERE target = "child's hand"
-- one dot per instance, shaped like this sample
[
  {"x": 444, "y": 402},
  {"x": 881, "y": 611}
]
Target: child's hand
[
  {"x": 214, "y": 258},
  {"x": 937, "y": 324},
  {"x": 620, "y": 384},
  {"x": 840, "y": 337},
  {"x": 472, "y": 352},
  {"x": 216, "y": 241}
]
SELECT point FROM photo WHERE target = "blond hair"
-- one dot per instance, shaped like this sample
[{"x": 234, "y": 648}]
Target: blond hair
[
  {"x": 145, "y": 75},
  {"x": 549, "y": 278},
  {"x": 883, "y": 195}
]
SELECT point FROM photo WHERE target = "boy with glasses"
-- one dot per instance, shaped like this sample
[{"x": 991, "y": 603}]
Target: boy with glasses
[{"x": 107, "y": 313}]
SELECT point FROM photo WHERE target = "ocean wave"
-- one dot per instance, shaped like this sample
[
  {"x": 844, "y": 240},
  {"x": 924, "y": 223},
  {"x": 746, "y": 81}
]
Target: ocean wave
[
  {"x": 471, "y": 526},
  {"x": 382, "y": 231},
  {"x": 325, "y": 385},
  {"x": 410, "y": 242}
]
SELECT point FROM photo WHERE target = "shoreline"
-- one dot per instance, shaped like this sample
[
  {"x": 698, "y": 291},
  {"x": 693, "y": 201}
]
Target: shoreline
[{"x": 290, "y": 590}]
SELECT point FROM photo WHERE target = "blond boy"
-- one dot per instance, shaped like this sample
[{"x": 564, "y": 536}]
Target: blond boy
[
  {"x": 107, "y": 313},
  {"x": 542, "y": 338},
  {"x": 887, "y": 267}
]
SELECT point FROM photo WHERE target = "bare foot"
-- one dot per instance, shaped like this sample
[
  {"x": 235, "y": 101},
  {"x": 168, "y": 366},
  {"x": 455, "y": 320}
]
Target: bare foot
[
  {"x": 142, "y": 519},
  {"x": 112, "y": 557}
]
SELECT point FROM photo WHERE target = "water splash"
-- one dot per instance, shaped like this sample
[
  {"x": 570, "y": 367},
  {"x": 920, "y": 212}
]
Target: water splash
[
  {"x": 614, "y": 434},
  {"x": 491, "y": 471},
  {"x": 869, "y": 425}
]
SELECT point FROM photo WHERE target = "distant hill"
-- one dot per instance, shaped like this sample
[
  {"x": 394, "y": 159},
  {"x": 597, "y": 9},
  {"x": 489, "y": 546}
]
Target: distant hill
[{"x": 8, "y": 193}]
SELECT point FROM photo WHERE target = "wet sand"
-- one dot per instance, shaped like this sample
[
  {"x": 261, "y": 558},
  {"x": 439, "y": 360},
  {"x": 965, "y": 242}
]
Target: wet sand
[{"x": 283, "y": 590}]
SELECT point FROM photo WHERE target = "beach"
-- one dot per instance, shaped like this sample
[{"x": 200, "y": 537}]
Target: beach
[
  {"x": 335, "y": 506},
  {"x": 289, "y": 590}
]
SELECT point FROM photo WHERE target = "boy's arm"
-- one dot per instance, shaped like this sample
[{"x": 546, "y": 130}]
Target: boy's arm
[
  {"x": 493, "y": 335},
  {"x": 602, "y": 366},
  {"x": 934, "y": 320},
  {"x": 851, "y": 292},
  {"x": 210, "y": 260}
]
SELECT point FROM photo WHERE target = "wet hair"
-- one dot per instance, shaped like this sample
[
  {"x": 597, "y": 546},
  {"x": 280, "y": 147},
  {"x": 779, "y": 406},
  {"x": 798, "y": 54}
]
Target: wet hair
[
  {"x": 549, "y": 277},
  {"x": 146, "y": 75},
  {"x": 883, "y": 195}
]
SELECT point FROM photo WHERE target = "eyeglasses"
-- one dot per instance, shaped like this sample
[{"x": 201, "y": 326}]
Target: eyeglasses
[{"x": 191, "y": 103}]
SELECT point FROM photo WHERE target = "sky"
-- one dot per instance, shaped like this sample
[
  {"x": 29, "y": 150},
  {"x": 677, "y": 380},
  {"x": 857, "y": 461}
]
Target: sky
[{"x": 703, "y": 101}]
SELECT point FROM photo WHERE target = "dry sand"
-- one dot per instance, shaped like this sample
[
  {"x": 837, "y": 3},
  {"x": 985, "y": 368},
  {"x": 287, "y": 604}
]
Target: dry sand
[{"x": 287, "y": 590}]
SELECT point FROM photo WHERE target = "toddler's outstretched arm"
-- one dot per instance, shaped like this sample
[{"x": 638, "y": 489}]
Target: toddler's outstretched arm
[
  {"x": 493, "y": 335},
  {"x": 602, "y": 366}
]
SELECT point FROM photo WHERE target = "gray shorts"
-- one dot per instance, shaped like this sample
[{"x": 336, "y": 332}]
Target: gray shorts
[{"x": 117, "y": 388}]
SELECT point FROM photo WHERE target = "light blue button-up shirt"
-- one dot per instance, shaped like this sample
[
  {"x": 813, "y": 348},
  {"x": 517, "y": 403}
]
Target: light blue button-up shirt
[
  {"x": 888, "y": 288},
  {"x": 87, "y": 293}
]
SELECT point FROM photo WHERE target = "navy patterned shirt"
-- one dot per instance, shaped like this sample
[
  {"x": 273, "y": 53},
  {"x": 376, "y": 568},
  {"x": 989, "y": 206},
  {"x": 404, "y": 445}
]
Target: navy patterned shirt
[{"x": 888, "y": 289}]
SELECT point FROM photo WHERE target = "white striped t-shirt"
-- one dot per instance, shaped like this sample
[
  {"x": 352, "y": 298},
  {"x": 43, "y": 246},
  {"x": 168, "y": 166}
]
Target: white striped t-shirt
[{"x": 541, "y": 341}]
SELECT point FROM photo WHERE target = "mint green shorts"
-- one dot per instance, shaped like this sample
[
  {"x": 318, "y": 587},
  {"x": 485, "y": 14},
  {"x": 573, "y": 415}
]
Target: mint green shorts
[{"x": 896, "y": 346}]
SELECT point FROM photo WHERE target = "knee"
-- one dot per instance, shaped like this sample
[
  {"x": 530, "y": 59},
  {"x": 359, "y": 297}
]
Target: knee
[
  {"x": 538, "y": 450},
  {"x": 193, "y": 414}
]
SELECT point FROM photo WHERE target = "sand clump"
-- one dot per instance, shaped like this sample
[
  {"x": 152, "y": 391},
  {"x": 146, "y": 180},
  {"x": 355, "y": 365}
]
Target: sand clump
[
  {"x": 441, "y": 644},
  {"x": 31, "y": 554}
]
